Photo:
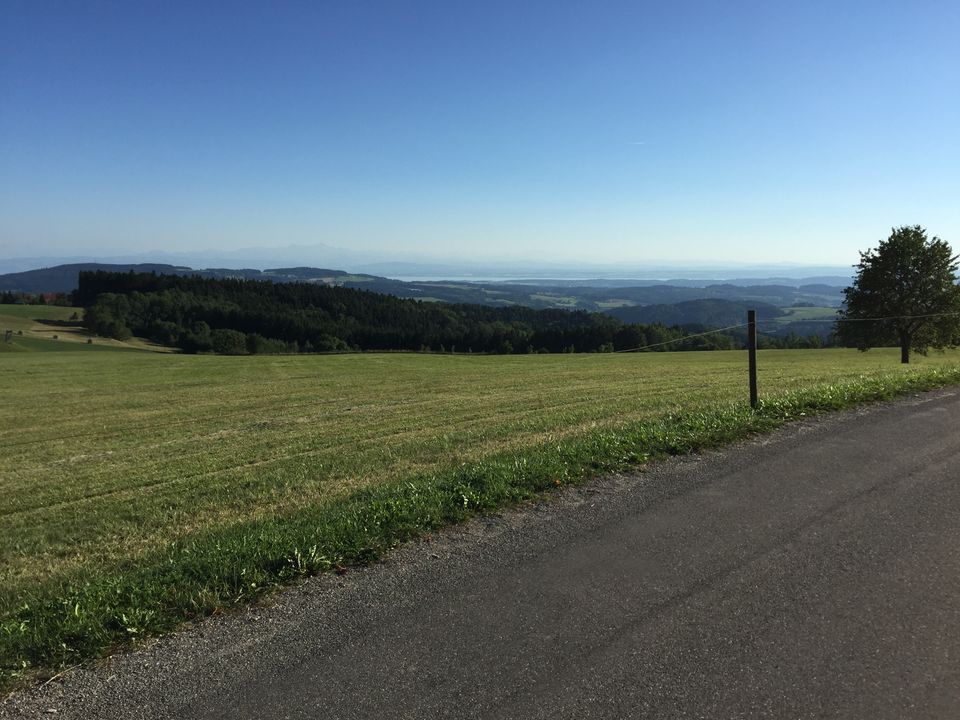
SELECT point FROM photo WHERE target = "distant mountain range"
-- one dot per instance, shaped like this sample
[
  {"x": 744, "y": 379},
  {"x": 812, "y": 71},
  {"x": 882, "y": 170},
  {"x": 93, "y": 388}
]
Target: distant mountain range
[
  {"x": 592, "y": 294},
  {"x": 408, "y": 266}
]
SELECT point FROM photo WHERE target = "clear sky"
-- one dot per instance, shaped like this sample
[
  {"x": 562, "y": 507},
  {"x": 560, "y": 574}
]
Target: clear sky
[{"x": 611, "y": 131}]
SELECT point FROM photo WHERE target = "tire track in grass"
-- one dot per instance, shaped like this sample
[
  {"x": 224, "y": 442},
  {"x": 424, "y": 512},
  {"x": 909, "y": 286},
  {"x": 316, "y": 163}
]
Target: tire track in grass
[
  {"x": 464, "y": 426},
  {"x": 346, "y": 483},
  {"x": 475, "y": 451},
  {"x": 215, "y": 404},
  {"x": 591, "y": 398}
]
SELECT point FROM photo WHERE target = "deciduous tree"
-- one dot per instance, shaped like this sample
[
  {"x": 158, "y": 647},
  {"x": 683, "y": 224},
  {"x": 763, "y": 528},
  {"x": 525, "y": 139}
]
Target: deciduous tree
[{"x": 905, "y": 294}]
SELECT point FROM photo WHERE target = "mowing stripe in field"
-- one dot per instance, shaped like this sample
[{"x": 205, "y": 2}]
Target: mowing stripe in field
[
  {"x": 108, "y": 456},
  {"x": 75, "y": 611}
]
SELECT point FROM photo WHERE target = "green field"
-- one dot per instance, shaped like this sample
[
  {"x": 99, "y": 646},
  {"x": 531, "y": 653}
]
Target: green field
[
  {"x": 106, "y": 456},
  {"x": 566, "y": 302},
  {"x": 34, "y": 329},
  {"x": 23, "y": 314},
  {"x": 110, "y": 459},
  {"x": 806, "y": 314}
]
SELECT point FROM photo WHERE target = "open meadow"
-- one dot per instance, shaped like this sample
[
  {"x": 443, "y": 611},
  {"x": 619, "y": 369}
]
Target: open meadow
[
  {"x": 806, "y": 314},
  {"x": 110, "y": 458},
  {"x": 47, "y": 328}
]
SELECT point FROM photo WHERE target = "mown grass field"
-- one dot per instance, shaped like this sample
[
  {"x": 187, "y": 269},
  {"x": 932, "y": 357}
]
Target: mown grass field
[
  {"x": 31, "y": 332},
  {"x": 801, "y": 314},
  {"x": 109, "y": 460}
]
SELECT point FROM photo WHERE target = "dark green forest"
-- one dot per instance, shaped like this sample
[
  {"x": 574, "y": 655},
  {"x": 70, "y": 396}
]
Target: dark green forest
[{"x": 237, "y": 316}]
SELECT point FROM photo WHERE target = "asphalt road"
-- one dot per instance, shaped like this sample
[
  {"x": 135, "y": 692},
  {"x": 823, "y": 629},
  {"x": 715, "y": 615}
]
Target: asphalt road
[{"x": 813, "y": 573}]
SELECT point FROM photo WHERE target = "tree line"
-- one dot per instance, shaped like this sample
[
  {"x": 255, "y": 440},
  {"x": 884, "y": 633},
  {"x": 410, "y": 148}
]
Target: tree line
[
  {"x": 239, "y": 316},
  {"x": 8, "y": 297}
]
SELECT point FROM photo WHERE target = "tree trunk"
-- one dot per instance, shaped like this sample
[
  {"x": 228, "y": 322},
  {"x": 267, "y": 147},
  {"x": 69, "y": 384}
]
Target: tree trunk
[{"x": 905, "y": 349}]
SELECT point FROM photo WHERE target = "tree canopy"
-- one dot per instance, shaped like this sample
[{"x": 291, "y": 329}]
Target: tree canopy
[
  {"x": 905, "y": 294},
  {"x": 195, "y": 313}
]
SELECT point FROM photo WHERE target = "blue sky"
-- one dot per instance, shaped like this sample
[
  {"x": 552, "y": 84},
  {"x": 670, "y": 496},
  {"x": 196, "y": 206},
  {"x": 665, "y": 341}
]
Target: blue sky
[{"x": 603, "y": 131}]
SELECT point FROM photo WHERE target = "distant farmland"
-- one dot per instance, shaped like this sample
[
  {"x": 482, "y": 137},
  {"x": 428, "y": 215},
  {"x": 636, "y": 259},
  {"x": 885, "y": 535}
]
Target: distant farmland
[
  {"x": 47, "y": 328},
  {"x": 109, "y": 457}
]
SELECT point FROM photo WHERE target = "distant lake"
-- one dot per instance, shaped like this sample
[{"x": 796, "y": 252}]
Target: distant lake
[
  {"x": 457, "y": 278},
  {"x": 532, "y": 279}
]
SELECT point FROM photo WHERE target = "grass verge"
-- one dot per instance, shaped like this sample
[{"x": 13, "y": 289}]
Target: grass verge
[{"x": 66, "y": 619}]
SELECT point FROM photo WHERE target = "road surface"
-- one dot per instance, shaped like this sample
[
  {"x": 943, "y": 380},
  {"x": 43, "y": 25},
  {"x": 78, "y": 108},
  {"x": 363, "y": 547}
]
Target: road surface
[{"x": 811, "y": 573}]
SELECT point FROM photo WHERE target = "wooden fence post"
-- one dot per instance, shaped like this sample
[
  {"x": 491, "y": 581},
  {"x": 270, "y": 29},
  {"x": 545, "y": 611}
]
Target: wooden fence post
[{"x": 752, "y": 354}]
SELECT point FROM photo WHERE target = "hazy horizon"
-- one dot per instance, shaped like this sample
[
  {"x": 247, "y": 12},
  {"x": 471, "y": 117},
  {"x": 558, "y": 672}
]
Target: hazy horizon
[{"x": 437, "y": 267}]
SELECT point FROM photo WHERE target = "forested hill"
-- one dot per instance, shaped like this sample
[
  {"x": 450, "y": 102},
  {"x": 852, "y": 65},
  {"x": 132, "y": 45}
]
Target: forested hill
[
  {"x": 65, "y": 278},
  {"x": 710, "y": 312},
  {"x": 238, "y": 316}
]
